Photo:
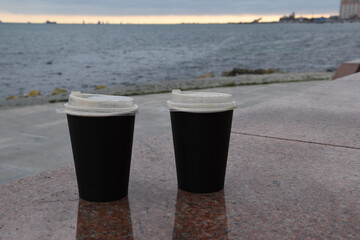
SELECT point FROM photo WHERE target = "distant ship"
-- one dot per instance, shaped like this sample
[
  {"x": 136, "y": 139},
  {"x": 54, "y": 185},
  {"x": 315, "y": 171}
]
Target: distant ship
[
  {"x": 256, "y": 20},
  {"x": 48, "y": 22}
]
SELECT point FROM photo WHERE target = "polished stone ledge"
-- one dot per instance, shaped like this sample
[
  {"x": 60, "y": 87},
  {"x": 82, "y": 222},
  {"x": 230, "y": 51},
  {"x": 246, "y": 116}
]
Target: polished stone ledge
[
  {"x": 347, "y": 68},
  {"x": 274, "y": 189},
  {"x": 293, "y": 173}
]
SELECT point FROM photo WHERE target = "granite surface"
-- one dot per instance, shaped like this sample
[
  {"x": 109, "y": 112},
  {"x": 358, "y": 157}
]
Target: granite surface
[
  {"x": 293, "y": 173},
  {"x": 111, "y": 220},
  {"x": 325, "y": 114},
  {"x": 347, "y": 68},
  {"x": 274, "y": 189}
]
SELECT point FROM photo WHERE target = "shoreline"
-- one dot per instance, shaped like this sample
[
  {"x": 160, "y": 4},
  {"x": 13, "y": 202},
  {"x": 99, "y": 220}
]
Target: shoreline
[{"x": 189, "y": 84}]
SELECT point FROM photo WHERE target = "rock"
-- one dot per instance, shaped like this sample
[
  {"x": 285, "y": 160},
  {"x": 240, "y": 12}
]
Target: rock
[
  {"x": 58, "y": 91},
  {"x": 227, "y": 74},
  {"x": 271, "y": 71},
  {"x": 241, "y": 71},
  {"x": 236, "y": 71},
  {"x": 49, "y": 62},
  {"x": 11, "y": 97},
  {"x": 331, "y": 69},
  {"x": 98, "y": 87},
  {"x": 33, "y": 93},
  {"x": 207, "y": 75},
  {"x": 259, "y": 71}
]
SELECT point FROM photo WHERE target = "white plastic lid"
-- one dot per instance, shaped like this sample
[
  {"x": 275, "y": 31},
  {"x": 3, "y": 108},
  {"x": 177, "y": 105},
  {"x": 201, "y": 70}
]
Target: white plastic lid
[
  {"x": 201, "y": 102},
  {"x": 96, "y": 105}
]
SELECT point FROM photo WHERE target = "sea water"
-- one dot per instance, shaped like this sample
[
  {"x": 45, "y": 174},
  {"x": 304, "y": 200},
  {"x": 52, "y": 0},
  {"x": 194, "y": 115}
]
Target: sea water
[{"x": 79, "y": 57}]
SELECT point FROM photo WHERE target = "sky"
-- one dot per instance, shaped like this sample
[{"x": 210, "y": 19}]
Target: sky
[{"x": 160, "y": 11}]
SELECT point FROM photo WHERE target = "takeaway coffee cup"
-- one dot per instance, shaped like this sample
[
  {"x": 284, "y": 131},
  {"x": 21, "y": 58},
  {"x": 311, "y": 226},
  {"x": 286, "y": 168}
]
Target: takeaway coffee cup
[
  {"x": 201, "y": 125},
  {"x": 101, "y": 131}
]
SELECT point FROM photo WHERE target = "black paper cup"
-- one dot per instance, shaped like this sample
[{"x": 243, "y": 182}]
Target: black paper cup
[
  {"x": 201, "y": 142},
  {"x": 102, "y": 145}
]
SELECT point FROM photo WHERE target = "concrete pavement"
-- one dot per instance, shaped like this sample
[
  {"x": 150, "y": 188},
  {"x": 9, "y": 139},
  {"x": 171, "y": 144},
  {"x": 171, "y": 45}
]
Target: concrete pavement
[{"x": 35, "y": 139}]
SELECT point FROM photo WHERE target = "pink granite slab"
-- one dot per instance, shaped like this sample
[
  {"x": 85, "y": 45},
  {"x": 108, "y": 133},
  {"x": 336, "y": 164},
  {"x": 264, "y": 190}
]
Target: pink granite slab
[
  {"x": 325, "y": 114},
  {"x": 274, "y": 189},
  {"x": 111, "y": 220},
  {"x": 347, "y": 68},
  {"x": 40, "y": 207},
  {"x": 292, "y": 190}
]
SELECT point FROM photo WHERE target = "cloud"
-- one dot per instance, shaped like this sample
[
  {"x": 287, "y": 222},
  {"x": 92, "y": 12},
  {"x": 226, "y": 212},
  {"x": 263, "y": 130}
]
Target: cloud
[{"x": 167, "y": 7}]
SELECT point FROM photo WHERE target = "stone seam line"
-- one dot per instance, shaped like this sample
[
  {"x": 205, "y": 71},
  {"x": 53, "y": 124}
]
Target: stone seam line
[{"x": 294, "y": 140}]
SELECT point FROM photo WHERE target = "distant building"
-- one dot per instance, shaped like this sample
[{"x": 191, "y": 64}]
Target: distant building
[
  {"x": 287, "y": 19},
  {"x": 350, "y": 9}
]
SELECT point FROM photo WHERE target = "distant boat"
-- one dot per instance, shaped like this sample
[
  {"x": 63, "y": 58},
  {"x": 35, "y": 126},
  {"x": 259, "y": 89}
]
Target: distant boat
[
  {"x": 320, "y": 20},
  {"x": 48, "y": 22},
  {"x": 256, "y": 20}
]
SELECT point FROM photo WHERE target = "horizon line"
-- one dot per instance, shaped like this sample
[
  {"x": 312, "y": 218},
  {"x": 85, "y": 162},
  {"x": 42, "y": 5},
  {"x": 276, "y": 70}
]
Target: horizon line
[{"x": 150, "y": 19}]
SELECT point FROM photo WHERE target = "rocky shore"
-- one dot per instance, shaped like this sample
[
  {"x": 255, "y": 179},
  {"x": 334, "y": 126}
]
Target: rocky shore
[{"x": 190, "y": 84}]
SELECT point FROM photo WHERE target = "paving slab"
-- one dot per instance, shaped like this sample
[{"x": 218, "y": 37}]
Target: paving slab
[
  {"x": 325, "y": 114},
  {"x": 274, "y": 189},
  {"x": 35, "y": 138},
  {"x": 281, "y": 182},
  {"x": 347, "y": 68}
]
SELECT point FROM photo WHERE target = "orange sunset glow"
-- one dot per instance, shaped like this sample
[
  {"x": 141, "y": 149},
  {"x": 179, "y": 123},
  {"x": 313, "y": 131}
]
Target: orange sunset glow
[{"x": 155, "y": 19}]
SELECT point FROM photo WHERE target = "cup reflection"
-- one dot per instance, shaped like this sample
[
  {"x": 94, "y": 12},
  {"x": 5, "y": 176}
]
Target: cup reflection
[
  {"x": 200, "y": 216},
  {"x": 110, "y": 220}
]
